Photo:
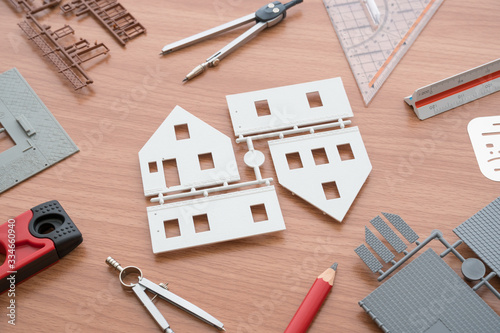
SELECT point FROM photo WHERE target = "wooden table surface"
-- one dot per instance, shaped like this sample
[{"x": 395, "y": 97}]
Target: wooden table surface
[{"x": 425, "y": 171}]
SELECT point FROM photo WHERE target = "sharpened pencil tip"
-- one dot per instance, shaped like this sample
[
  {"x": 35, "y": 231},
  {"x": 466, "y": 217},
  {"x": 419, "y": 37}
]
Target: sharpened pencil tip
[{"x": 334, "y": 266}]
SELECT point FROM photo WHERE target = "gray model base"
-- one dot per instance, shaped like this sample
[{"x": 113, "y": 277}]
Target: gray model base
[
  {"x": 39, "y": 139},
  {"x": 481, "y": 233},
  {"x": 427, "y": 296}
]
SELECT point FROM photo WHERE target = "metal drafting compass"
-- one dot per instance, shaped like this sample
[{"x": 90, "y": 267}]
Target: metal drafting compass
[
  {"x": 161, "y": 291},
  {"x": 265, "y": 17}
]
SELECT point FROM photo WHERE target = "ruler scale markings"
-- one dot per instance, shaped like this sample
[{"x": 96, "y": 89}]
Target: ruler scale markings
[
  {"x": 472, "y": 74},
  {"x": 354, "y": 28},
  {"x": 356, "y": 18},
  {"x": 344, "y": 4},
  {"x": 456, "y": 90},
  {"x": 401, "y": 42},
  {"x": 368, "y": 53}
]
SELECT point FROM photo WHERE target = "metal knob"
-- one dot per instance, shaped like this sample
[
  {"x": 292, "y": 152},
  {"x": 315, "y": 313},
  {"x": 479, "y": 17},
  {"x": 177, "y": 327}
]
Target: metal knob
[
  {"x": 113, "y": 263},
  {"x": 124, "y": 271}
]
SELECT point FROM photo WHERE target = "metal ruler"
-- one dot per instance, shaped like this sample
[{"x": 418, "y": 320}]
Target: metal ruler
[
  {"x": 456, "y": 90},
  {"x": 376, "y": 34}
]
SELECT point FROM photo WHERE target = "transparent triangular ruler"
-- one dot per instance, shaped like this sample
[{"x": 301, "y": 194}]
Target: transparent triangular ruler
[{"x": 375, "y": 35}]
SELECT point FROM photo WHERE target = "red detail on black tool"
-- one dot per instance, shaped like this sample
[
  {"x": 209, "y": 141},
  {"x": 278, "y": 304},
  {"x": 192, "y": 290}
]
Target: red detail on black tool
[{"x": 40, "y": 237}]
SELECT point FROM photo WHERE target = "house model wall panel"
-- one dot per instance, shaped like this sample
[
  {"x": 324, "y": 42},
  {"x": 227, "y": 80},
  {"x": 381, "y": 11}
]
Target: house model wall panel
[{"x": 199, "y": 139}]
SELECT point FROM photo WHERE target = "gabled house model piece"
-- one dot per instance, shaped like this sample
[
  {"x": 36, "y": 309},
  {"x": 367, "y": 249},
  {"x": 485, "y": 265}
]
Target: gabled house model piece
[
  {"x": 325, "y": 168},
  {"x": 187, "y": 158}
]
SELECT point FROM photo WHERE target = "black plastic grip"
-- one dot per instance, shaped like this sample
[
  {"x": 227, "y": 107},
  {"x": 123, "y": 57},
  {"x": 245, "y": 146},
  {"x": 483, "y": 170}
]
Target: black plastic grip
[
  {"x": 292, "y": 3},
  {"x": 51, "y": 221},
  {"x": 266, "y": 13}
]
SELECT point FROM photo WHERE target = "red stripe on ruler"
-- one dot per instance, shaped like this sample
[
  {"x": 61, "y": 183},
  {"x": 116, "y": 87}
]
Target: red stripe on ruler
[{"x": 457, "y": 89}]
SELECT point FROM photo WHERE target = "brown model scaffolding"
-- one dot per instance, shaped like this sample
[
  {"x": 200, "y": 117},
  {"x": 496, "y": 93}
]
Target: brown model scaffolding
[
  {"x": 111, "y": 14},
  {"x": 67, "y": 59}
]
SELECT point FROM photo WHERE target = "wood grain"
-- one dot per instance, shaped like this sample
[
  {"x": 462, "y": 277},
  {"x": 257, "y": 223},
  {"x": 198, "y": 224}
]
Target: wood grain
[{"x": 424, "y": 171}]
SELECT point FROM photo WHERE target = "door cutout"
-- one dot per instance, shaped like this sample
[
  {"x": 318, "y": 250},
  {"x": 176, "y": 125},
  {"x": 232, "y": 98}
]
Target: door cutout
[{"x": 171, "y": 173}]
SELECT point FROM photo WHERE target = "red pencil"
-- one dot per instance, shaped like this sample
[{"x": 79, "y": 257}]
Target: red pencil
[{"x": 312, "y": 302}]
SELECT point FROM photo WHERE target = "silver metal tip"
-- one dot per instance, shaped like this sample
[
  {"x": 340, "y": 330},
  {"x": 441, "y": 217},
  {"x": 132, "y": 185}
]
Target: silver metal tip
[
  {"x": 334, "y": 266},
  {"x": 185, "y": 79}
]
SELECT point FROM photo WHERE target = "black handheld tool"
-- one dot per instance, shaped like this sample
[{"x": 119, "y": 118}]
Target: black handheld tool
[{"x": 35, "y": 240}]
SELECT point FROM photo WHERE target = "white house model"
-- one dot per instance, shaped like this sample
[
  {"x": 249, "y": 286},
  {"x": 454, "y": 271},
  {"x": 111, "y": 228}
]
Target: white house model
[{"x": 186, "y": 157}]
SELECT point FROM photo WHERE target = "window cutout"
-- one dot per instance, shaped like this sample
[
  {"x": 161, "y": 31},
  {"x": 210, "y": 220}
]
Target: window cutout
[
  {"x": 153, "y": 167},
  {"x": 294, "y": 161},
  {"x": 181, "y": 132},
  {"x": 171, "y": 173},
  {"x": 206, "y": 161},
  {"x": 172, "y": 228},
  {"x": 201, "y": 223},
  {"x": 314, "y": 99},
  {"x": 262, "y": 108},
  {"x": 259, "y": 213},
  {"x": 345, "y": 152},
  {"x": 6, "y": 141},
  {"x": 489, "y": 145},
  {"x": 331, "y": 190},
  {"x": 320, "y": 156}
]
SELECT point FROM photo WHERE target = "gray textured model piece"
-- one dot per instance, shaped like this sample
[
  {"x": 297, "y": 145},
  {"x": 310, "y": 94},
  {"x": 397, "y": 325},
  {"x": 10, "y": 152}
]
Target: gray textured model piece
[
  {"x": 39, "y": 139},
  {"x": 427, "y": 296},
  {"x": 472, "y": 269},
  {"x": 481, "y": 233},
  {"x": 388, "y": 234},
  {"x": 377, "y": 245},
  {"x": 368, "y": 258},
  {"x": 382, "y": 250},
  {"x": 402, "y": 227}
]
